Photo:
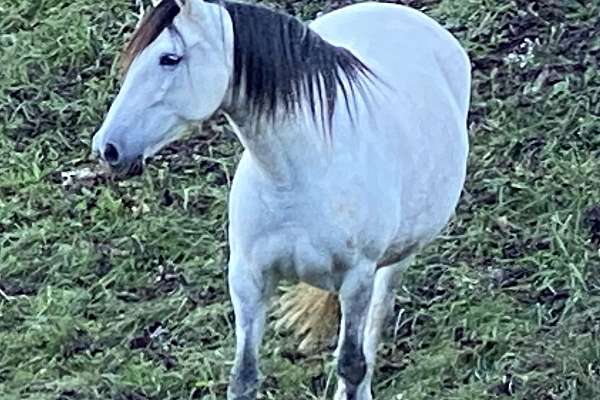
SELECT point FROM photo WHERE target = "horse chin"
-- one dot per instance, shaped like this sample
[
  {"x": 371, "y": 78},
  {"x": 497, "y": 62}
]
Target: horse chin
[
  {"x": 175, "y": 134},
  {"x": 136, "y": 168},
  {"x": 126, "y": 170}
]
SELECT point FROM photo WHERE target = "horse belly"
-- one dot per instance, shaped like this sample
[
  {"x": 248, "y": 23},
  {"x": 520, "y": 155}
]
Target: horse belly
[{"x": 418, "y": 132}]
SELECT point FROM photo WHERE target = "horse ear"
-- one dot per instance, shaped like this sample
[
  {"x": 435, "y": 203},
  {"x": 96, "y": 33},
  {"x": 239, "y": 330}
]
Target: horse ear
[
  {"x": 185, "y": 6},
  {"x": 195, "y": 8}
]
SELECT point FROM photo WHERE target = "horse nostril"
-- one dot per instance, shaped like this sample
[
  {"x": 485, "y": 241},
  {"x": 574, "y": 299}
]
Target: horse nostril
[{"x": 111, "y": 154}]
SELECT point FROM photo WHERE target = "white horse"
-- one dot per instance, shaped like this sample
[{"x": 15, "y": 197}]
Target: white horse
[{"x": 338, "y": 196}]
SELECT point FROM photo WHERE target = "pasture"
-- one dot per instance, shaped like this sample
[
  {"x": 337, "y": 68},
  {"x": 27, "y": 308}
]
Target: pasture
[{"x": 117, "y": 289}]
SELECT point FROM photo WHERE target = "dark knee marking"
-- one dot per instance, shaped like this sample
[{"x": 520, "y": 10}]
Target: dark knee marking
[
  {"x": 351, "y": 394},
  {"x": 244, "y": 376},
  {"x": 352, "y": 365},
  {"x": 247, "y": 370},
  {"x": 244, "y": 384}
]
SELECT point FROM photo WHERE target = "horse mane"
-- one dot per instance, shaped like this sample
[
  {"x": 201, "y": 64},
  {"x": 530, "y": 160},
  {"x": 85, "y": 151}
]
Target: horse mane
[{"x": 280, "y": 64}]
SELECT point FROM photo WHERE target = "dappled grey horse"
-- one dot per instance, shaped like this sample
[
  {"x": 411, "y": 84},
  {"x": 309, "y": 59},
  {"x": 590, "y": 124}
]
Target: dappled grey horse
[{"x": 354, "y": 130}]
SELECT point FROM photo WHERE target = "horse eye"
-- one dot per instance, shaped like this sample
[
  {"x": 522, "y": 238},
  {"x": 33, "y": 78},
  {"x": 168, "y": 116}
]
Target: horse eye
[{"x": 169, "y": 59}]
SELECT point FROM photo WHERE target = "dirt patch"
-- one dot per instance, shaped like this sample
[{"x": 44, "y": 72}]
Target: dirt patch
[{"x": 16, "y": 288}]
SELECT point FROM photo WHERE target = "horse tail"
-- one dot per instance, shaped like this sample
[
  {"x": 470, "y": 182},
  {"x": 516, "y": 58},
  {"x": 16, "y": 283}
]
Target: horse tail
[{"x": 312, "y": 314}]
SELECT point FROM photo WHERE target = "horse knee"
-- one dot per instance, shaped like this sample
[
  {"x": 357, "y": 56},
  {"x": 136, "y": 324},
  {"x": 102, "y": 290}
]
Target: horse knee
[
  {"x": 243, "y": 385},
  {"x": 244, "y": 379},
  {"x": 352, "y": 365}
]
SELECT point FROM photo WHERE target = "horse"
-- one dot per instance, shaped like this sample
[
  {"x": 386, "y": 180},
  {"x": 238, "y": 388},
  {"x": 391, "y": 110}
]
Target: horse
[{"x": 354, "y": 130}]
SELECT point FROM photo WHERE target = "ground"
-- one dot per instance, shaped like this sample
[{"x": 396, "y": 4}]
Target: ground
[{"x": 117, "y": 290}]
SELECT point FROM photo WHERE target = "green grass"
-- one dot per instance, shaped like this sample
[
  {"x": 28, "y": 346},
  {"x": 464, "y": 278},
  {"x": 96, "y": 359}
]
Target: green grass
[{"x": 118, "y": 290}]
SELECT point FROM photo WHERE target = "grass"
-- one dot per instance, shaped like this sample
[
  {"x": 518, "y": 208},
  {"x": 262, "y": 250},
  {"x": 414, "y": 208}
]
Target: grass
[{"x": 118, "y": 291}]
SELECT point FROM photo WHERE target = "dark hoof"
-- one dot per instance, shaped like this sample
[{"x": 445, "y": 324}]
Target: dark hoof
[{"x": 243, "y": 386}]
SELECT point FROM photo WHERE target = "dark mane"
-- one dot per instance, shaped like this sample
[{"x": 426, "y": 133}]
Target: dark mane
[{"x": 279, "y": 62}]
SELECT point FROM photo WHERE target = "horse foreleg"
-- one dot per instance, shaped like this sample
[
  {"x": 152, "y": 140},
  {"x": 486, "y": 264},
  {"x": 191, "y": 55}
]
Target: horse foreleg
[
  {"x": 381, "y": 306},
  {"x": 249, "y": 294}
]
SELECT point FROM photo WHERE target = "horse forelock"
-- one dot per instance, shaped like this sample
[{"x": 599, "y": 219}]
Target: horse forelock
[{"x": 153, "y": 23}]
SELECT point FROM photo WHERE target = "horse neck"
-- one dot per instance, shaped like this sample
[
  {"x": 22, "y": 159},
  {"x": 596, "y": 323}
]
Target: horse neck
[
  {"x": 276, "y": 145},
  {"x": 279, "y": 138}
]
